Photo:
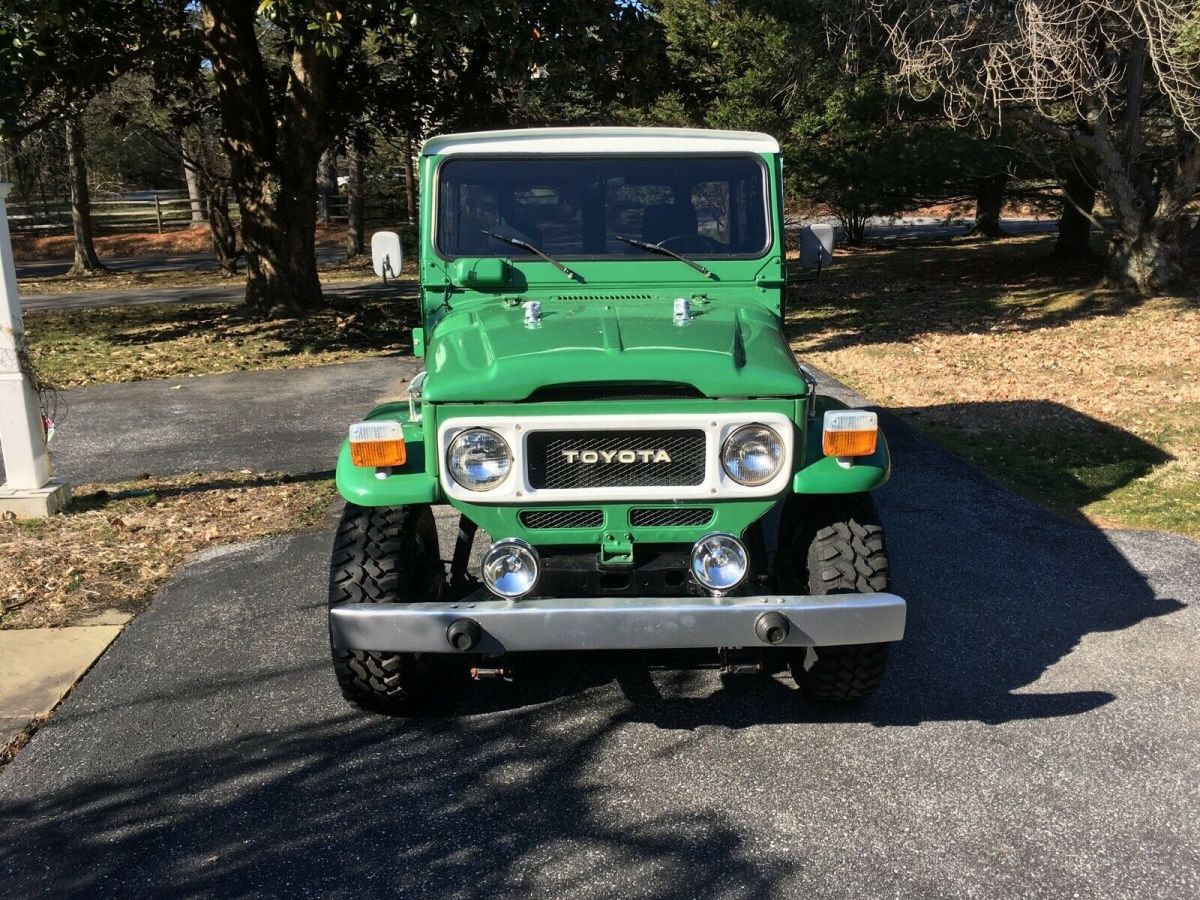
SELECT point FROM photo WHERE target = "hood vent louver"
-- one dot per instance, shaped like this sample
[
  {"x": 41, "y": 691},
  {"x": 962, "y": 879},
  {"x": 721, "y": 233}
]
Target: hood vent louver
[
  {"x": 594, "y": 297},
  {"x": 585, "y": 391}
]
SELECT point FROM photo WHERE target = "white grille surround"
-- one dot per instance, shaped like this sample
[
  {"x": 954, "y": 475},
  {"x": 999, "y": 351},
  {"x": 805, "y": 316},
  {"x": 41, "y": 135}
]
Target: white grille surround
[{"x": 716, "y": 484}]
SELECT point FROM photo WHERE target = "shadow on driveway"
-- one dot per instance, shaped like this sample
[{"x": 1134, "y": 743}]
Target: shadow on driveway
[{"x": 208, "y": 751}]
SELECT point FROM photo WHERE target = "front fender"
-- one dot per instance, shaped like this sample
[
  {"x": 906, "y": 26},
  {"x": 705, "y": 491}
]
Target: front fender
[
  {"x": 825, "y": 475},
  {"x": 408, "y": 484}
]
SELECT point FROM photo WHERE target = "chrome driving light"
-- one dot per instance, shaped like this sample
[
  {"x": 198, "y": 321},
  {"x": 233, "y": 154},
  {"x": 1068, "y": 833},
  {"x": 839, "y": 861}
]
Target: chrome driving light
[
  {"x": 752, "y": 455},
  {"x": 478, "y": 459},
  {"x": 719, "y": 562},
  {"x": 511, "y": 568}
]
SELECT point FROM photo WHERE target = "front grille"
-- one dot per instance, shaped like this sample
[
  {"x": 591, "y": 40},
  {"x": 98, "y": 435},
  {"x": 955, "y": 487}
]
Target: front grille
[
  {"x": 671, "y": 516},
  {"x": 553, "y": 467},
  {"x": 562, "y": 518}
]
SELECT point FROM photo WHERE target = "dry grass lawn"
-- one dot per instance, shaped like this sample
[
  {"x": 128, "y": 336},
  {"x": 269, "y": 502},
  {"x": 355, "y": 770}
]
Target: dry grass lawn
[
  {"x": 119, "y": 543},
  {"x": 330, "y": 273},
  {"x": 106, "y": 346},
  {"x": 1080, "y": 395}
]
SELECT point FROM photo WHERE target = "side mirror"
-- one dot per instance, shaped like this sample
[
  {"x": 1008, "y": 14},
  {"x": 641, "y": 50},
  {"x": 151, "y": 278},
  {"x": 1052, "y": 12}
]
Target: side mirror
[
  {"x": 816, "y": 246},
  {"x": 387, "y": 255}
]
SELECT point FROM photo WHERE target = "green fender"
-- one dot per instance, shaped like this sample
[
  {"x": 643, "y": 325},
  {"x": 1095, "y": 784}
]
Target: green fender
[
  {"x": 410, "y": 483},
  {"x": 825, "y": 475}
]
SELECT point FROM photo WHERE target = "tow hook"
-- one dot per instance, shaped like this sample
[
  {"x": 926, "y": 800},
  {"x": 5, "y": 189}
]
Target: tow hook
[
  {"x": 464, "y": 635},
  {"x": 741, "y": 662},
  {"x": 772, "y": 628}
]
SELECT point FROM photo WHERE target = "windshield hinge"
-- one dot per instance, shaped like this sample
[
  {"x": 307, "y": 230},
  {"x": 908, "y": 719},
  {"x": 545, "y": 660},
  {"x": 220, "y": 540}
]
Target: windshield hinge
[{"x": 413, "y": 393}]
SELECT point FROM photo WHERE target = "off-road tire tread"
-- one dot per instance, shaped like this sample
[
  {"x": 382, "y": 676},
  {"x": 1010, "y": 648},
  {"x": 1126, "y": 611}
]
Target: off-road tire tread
[
  {"x": 383, "y": 555},
  {"x": 844, "y": 551}
]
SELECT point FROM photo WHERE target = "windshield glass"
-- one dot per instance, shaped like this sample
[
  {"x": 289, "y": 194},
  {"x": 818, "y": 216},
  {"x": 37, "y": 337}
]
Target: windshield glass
[{"x": 710, "y": 207}]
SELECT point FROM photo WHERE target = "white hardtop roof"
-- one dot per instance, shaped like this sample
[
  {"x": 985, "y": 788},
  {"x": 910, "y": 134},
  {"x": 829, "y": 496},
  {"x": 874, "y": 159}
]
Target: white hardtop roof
[{"x": 602, "y": 140}]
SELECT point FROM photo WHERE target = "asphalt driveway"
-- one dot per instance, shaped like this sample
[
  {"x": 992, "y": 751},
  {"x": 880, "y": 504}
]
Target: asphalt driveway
[
  {"x": 279, "y": 420},
  {"x": 1038, "y": 736}
]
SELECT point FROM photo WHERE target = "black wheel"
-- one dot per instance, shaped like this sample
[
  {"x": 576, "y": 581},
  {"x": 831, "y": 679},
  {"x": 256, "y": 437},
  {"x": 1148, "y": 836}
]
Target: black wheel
[
  {"x": 385, "y": 555},
  {"x": 835, "y": 546}
]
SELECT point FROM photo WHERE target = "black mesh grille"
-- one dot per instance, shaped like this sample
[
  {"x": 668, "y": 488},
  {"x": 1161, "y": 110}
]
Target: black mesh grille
[
  {"x": 562, "y": 518},
  {"x": 671, "y": 516},
  {"x": 556, "y": 459}
]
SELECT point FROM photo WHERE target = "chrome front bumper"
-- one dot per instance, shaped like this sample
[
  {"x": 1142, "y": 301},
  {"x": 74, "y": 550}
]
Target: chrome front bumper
[{"x": 618, "y": 623}]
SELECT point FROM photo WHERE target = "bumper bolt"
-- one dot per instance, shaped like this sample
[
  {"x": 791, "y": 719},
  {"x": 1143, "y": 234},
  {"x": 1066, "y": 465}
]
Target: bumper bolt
[
  {"x": 464, "y": 635},
  {"x": 772, "y": 628}
]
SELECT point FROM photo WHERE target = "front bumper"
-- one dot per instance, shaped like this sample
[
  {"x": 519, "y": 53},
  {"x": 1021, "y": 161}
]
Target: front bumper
[{"x": 617, "y": 623}]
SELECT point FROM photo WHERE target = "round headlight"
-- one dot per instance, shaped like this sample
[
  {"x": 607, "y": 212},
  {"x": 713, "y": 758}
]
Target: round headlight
[
  {"x": 478, "y": 459},
  {"x": 510, "y": 568},
  {"x": 752, "y": 455},
  {"x": 720, "y": 562}
]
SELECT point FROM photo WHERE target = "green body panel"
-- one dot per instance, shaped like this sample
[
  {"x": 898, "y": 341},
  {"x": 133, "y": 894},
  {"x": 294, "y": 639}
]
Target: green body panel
[
  {"x": 612, "y": 325},
  {"x": 483, "y": 351},
  {"x": 414, "y": 482}
]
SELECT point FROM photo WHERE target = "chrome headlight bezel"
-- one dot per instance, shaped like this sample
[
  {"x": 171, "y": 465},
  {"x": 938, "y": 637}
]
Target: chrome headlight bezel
[
  {"x": 454, "y": 462},
  {"x": 777, "y": 452}
]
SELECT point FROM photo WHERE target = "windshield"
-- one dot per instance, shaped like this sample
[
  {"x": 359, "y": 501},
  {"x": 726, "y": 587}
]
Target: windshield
[{"x": 580, "y": 207}]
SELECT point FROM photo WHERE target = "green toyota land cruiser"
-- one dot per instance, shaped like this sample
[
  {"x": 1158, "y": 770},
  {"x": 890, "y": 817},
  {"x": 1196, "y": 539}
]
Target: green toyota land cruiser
[{"x": 608, "y": 394}]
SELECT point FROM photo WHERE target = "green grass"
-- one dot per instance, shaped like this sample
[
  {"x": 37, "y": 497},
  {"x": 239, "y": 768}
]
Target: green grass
[{"x": 1103, "y": 474}]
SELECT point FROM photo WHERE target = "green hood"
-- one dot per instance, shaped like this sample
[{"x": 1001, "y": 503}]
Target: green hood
[{"x": 487, "y": 353}]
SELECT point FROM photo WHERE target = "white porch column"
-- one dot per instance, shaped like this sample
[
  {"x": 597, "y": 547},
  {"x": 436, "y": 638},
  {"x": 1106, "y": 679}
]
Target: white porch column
[{"x": 28, "y": 489}]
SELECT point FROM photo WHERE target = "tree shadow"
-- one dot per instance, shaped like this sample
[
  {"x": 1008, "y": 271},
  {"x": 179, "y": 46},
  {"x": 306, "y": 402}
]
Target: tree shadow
[
  {"x": 470, "y": 807},
  {"x": 364, "y": 317},
  {"x": 892, "y": 293}
]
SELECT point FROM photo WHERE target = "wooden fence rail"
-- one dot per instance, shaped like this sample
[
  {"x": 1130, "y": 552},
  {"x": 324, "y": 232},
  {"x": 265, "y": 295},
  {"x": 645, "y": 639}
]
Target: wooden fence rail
[{"x": 164, "y": 211}]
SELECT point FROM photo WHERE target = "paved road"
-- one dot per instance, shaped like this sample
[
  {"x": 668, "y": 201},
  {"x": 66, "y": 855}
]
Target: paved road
[
  {"x": 199, "y": 262},
  {"x": 1038, "y": 736},
  {"x": 285, "y": 420},
  {"x": 231, "y": 293}
]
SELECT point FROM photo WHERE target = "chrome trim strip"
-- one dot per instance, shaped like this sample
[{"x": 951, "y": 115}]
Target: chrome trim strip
[{"x": 618, "y": 623}]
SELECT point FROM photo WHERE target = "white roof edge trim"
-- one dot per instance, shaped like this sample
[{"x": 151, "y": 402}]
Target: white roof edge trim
[{"x": 601, "y": 140}]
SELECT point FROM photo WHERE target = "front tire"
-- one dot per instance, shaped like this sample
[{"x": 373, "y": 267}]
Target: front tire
[
  {"x": 836, "y": 548},
  {"x": 385, "y": 555}
]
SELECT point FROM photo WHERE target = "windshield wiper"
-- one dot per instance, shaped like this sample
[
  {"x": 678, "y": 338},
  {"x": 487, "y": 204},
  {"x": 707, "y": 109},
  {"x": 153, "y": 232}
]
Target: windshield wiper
[
  {"x": 659, "y": 248},
  {"x": 525, "y": 245}
]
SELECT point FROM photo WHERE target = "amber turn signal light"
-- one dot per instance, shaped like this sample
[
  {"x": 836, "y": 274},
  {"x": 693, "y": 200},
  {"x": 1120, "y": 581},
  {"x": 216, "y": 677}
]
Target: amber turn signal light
[
  {"x": 377, "y": 444},
  {"x": 849, "y": 432}
]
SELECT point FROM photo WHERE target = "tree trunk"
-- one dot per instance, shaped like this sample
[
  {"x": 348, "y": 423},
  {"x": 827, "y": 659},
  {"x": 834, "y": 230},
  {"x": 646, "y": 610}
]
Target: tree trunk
[
  {"x": 192, "y": 177},
  {"x": 1152, "y": 220},
  {"x": 279, "y": 221},
  {"x": 1149, "y": 262},
  {"x": 855, "y": 226},
  {"x": 274, "y": 139},
  {"x": 354, "y": 196},
  {"x": 327, "y": 185},
  {"x": 989, "y": 204},
  {"x": 1075, "y": 224},
  {"x": 86, "y": 261},
  {"x": 410, "y": 182},
  {"x": 224, "y": 235}
]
